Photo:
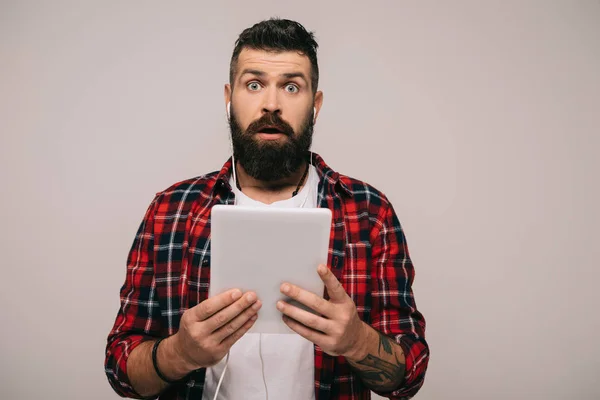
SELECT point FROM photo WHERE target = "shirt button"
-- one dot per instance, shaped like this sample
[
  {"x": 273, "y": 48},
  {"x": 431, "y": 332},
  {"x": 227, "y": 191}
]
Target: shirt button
[
  {"x": 335, "y": 262},
  {"x": 205, "y": 262}
]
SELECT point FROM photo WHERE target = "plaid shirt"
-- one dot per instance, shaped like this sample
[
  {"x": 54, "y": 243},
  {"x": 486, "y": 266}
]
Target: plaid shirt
[{"x": 168, "y": 271}]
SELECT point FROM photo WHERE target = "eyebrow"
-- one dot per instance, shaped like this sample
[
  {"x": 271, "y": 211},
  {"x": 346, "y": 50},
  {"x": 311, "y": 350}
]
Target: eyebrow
[
  {"x": 288, "y": 75},
  {"x": 291, "y": 75}
]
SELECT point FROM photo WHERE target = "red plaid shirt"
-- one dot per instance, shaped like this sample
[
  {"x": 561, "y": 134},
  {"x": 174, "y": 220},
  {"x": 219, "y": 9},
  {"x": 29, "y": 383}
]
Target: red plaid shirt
[{"x": 168, "y": 271}]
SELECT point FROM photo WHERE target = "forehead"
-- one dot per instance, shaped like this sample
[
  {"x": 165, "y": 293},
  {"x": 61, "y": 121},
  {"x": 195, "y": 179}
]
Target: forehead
[{"x": 271, "y": 62}]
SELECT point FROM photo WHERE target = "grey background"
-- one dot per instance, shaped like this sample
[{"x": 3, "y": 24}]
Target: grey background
[{"x": 479, "y": 119}]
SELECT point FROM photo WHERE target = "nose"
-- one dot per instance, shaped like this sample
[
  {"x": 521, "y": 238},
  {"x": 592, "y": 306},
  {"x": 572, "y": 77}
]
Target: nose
[{"x": 271, "y": 103}]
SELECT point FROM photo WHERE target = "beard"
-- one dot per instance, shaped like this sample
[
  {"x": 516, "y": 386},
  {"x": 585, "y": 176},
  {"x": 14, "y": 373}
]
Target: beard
[{"x": 270, "y": 160}]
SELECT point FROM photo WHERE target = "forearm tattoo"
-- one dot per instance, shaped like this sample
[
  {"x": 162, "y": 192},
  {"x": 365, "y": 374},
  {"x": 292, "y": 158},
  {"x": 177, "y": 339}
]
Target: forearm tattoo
[{"x": 382, "y": 371}]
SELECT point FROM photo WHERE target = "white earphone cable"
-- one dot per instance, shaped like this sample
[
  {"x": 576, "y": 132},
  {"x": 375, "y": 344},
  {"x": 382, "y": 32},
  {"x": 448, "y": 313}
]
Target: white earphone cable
[
  {"x": 221, "y": 378},
  {"x": 262, "y": 365}
]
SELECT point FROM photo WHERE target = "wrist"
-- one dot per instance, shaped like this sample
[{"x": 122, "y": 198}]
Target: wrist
[
  {"x": 173, "y": 358},
  {"x": 362, "y": 344}
]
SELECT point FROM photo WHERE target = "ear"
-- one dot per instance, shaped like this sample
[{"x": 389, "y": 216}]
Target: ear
[
  {"x": 227, "y": 94},
  {"x": 318, "y": 102}
]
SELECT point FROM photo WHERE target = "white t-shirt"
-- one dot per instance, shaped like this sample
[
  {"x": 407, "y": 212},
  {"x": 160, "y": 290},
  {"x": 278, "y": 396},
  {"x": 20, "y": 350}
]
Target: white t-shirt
[{"x": 287, "y": 359}]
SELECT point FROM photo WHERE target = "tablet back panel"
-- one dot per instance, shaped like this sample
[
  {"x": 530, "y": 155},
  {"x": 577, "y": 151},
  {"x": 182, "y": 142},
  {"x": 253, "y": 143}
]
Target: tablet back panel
[{"x": 255, "y": 248}]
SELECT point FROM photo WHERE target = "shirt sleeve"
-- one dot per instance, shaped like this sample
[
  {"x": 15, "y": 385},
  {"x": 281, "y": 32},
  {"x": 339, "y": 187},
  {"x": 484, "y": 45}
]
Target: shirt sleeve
[
  {"x": 138, "y": 317},
  {"x": 394, "y": 311}
]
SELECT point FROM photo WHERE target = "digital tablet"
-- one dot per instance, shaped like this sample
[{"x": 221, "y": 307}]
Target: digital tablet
[{"x": 259, "y": 248}]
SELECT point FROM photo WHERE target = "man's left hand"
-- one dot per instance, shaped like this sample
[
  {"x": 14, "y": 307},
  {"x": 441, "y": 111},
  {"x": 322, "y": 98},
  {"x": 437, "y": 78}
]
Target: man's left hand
[{"x": 339, "y": 330}]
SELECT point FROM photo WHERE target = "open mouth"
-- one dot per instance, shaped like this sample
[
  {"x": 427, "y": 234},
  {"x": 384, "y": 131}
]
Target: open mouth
[{"x": 270, "y": 130}]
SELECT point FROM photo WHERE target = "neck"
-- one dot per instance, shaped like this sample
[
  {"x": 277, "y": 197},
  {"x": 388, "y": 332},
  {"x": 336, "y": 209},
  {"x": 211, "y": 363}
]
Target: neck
[{"x": 288, "y": 183}]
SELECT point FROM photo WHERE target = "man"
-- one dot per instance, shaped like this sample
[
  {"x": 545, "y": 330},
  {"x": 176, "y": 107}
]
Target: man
[{"x": 170, "y": 340}]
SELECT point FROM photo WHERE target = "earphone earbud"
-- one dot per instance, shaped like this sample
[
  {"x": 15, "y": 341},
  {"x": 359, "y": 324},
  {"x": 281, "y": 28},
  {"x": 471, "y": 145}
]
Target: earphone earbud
[{"x": 228, "y": 110}]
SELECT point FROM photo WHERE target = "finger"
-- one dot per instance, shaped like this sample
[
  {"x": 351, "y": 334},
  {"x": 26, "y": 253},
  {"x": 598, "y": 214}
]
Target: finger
[
  {"x": 210, "y": 306},
  {"x": 237, "y": 322},
  {"x": 306, "y": 318},
  {"x": 237, "y": 335},
  {"x": 307, "y": 333},
  {"x": 309, "y": 299},
  {"x": 334, "y": 287},
  {"x": 230, "y": 312}
]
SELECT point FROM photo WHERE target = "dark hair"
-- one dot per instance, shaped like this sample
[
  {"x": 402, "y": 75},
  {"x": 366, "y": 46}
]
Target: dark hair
[{"x": 278, "y": 35}]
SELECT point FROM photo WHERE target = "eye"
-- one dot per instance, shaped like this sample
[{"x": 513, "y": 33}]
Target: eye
[
  {"x": 253, "y": 86},
  {"x": 291, "y": 88}
]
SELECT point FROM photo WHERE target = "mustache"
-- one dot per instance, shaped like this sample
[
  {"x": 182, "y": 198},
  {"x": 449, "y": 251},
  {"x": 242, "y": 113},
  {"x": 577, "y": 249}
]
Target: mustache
[{"x": 272, "y": 120}]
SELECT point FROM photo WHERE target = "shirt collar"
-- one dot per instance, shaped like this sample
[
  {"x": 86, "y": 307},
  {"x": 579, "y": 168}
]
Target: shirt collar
[{"x": 325, "y": 173}]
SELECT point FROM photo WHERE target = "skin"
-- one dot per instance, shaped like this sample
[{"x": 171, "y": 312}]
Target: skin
[
  {"x": 280, "y": 82},
  {"x": 270, "y": 82},
  {"x": 376, "y": 358},
  {"x": 206, "y": 333}
]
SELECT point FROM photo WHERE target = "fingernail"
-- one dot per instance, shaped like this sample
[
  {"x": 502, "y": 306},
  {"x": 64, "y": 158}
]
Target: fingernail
[
  {"x": 321, "y": 269},
  {"x": 285, "y": 288},
  {"x": 254, "y": 317},
  {"x": 251, "y": 297},
  {"x": 256, "y": 305},
  {"x": 279, "y": 305},
  {"x": 236, "y": 294}
]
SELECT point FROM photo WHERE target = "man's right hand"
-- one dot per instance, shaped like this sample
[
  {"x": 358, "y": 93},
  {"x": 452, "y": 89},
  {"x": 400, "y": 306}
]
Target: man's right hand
[{"x": 208, "y": 330}]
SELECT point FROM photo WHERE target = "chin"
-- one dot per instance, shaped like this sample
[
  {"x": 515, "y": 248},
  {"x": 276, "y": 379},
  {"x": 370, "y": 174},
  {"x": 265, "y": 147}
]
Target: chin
[{"x": 271, "y": 142}]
